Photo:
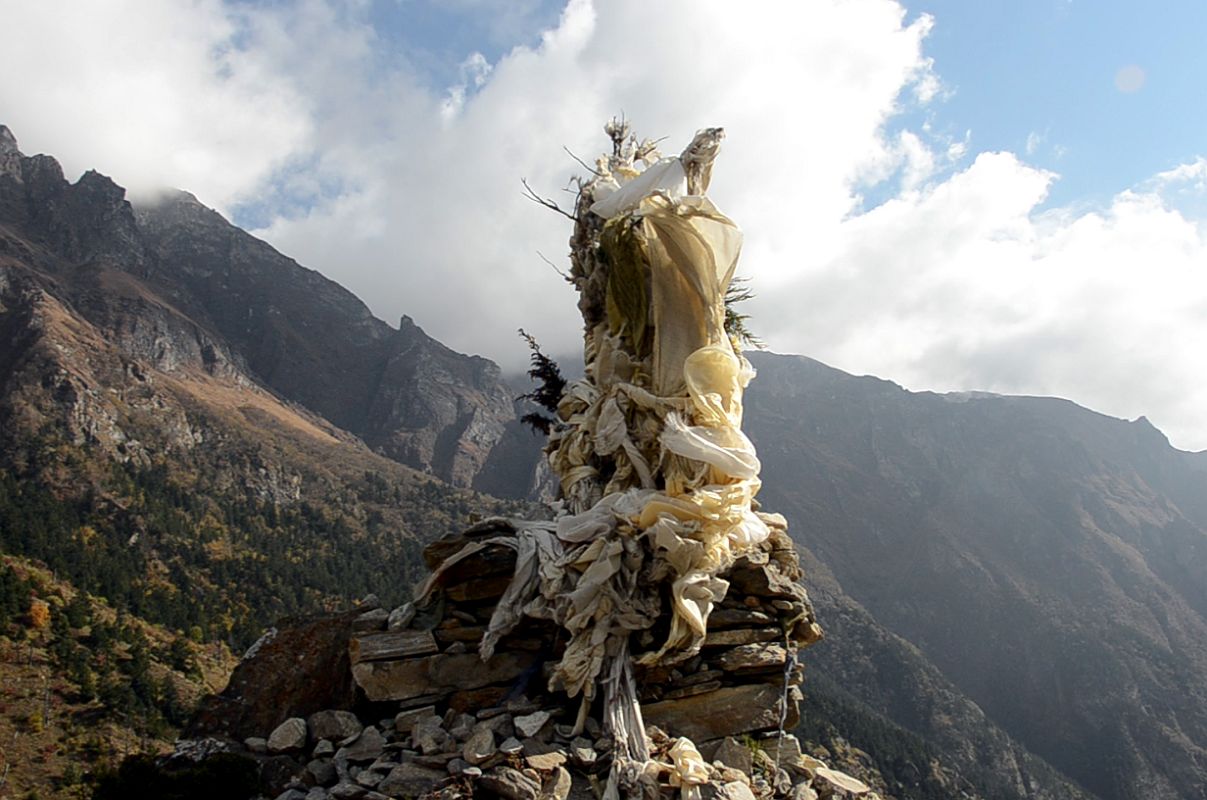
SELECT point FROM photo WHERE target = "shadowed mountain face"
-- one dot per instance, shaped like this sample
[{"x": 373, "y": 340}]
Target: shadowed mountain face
[
  {"x": 1050, "y": 561},
  {"x": 309, "y": 339}
]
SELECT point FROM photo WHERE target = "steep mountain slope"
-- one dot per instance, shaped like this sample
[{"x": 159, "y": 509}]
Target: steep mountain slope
[
  {"x": 402, "y": 392},
  {"x": 141, "y": 457},
  {"x": 1050, "y": 561},
  {"x": 81, "y": 684}
]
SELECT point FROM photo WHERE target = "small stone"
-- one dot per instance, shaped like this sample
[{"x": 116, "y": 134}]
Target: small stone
[
  {"x": 367, "y": 747},
  {"x": 732, "y": 753},
  {"x": 291, "y": 794},
  {"x": 786, "y": 747},
  {"x": 735, "y": 790},
  {"x": 404, "y": 721},
  {"x": 802, "y": 791},
  {"x": 582, "y": 753},
  {"x": 335, "y": 725},
  {"x": 462, "y": 726},
  {"x": 521, "y": 705},
  {"x": 530, "y": 724},
  {"x": 347, "y": 791},
  {"x": 323, "y": 771},
  {"x": 536, "y": 747},
  {"x": 557, "y": 786},
  {"x": 383, "y": 764},
  {"x": 410, "y": 780},
  {"x": 374, "y": 620},
  {"x": 480, "y": 746},
  {"x": 368, "y": 778},
  {"x": 368, "y": 602},
  {"x": 317, "y": 793},
  {"x": 256, "y": 744},
  {"x": 511, "y": 746},
  {"x": 289, "y": 736},
  {"x": 809, "y": 762},
  {"x": 593, "y": 728},
  {"x": 457, "y": 648},
  {"x": 510, "y": 784},
  {"x": 400, "y": 617},
  {"x": 429, "y": 737},
  {"x": 501, "y": 726},
  {"x": 457, "y": 766},
  {"x": 546, "y": 761},
  {"x": 729, "y": 775},
  {"x": 842, "y": 780}
]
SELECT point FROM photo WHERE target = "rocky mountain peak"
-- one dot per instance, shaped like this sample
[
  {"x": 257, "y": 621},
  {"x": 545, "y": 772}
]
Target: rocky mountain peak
[
  {"x": 98, "y": 188},
  {"x": 8, "y": 142},
  {"x": 10, "y": 155}
]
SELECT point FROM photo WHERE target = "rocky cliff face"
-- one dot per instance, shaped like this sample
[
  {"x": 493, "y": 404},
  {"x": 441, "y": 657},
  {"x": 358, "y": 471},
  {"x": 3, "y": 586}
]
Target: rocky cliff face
[{"x": 405, "y": 394}]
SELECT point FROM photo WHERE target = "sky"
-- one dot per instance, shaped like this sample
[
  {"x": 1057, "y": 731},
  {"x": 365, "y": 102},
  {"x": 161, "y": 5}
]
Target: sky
[{"x": 994, "y": 196}]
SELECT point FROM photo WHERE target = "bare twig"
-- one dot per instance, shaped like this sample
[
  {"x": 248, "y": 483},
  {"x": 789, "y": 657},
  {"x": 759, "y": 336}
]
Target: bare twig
[
  {"x": 582, "y": 163},
  {"x": 556, "y": 268},
  {"x": 544, "y": 201}
]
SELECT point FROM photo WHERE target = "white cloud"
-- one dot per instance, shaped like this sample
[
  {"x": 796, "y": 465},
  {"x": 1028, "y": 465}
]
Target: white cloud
[
  {"x": 803, "y": 92},
  {"x": 151, "y": 93},
  {"x": 966, "y": 286},
  {"x": 410, "y": 195}
]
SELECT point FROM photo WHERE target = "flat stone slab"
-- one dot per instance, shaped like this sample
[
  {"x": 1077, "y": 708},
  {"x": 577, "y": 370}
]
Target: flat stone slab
[
  {"x": 401, "y": 680},
  {"x": 737, "y": 636},
  {"x": 390, "y": 645},
  {"x": 728, "y": 711},
  {"x": 753, "y": 658}
]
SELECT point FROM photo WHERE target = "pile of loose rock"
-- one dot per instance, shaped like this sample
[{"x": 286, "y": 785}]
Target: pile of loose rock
[
  {"x": 427, "y": 715},
  {"x": 517, "y": 752}
]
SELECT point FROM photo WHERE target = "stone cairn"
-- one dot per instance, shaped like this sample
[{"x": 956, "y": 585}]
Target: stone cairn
[
  {"x": 433, "y": 719},
  {"x": 641, "y": 643}
]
